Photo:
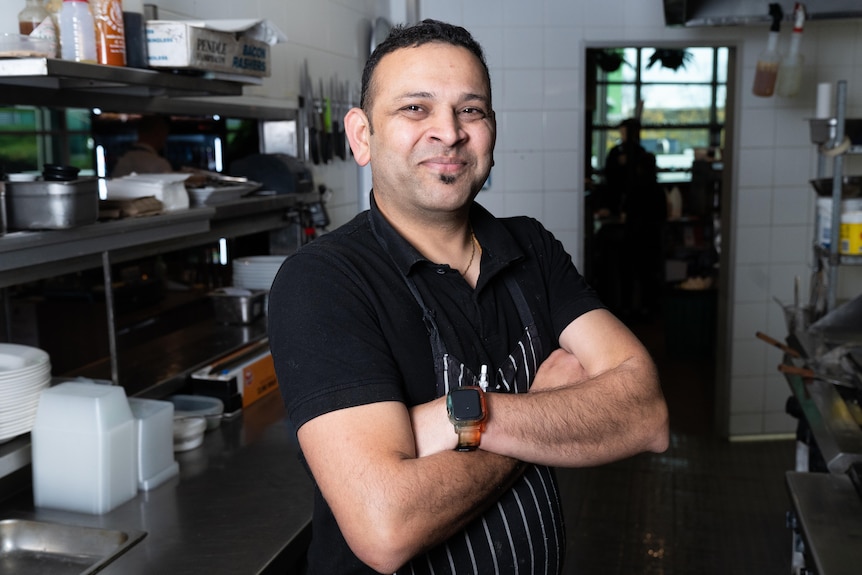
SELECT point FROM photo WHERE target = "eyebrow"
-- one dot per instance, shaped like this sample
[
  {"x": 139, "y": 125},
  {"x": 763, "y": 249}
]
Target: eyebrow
[{"x": 430, "y": 95}]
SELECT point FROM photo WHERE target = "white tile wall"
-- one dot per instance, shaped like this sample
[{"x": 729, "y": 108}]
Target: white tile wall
[
  {"x": 771, "y": 202},
  {"x": 535, "y": 52}
]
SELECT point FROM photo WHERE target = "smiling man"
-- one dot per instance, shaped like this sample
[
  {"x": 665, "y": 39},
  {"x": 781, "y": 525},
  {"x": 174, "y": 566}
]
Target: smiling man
[{"x": 437, "y": 361}]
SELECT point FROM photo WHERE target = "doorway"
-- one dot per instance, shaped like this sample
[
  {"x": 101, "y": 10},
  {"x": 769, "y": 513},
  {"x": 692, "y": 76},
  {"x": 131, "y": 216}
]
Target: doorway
[{"x": 671, "y": 293}]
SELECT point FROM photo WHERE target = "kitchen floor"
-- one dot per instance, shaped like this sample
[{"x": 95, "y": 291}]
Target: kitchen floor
[{"x": 705, "y": 506}]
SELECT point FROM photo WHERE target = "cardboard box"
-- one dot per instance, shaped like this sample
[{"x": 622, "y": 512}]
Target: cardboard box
[
  {"x": 238, "y": 379},
  {"x": 198, "y": 46}
]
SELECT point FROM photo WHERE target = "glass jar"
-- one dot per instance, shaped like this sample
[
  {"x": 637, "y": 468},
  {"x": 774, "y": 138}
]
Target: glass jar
[{"x": 31, "y": 16}]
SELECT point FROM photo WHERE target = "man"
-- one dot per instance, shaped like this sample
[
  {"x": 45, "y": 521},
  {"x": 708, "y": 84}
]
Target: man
[
  {"x": 375, "y": 327},
  {"x": 631, "y": 179},
  {"x": 144, "y": 156}
]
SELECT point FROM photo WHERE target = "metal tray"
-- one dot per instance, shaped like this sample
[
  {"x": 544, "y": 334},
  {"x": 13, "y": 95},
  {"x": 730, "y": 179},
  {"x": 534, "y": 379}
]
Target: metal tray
[{"x": 58, "y": 549}]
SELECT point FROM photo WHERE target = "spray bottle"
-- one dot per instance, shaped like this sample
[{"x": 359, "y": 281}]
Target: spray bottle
[
  {"x": 769, "y": 60},
  {"x": 790, "y": 71}
]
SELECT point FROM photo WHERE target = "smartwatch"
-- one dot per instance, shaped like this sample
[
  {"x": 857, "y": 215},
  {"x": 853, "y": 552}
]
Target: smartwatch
[{"x": 467, "y": 412}]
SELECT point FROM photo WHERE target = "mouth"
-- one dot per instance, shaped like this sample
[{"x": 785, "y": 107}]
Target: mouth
[{"x": 445, "y": 166}]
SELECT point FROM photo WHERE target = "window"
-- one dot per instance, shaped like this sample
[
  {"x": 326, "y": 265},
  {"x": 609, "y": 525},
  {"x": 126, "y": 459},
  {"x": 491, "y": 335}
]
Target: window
[
  {"x": 679, "y": 94},
  {"x": 32, "y": 137}
]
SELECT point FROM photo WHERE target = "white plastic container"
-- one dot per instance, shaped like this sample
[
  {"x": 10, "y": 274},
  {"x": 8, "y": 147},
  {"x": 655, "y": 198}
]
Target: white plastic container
[
  {"x": 170, "y": 189},
  {"x": 851, "y": 233},
  {"x": 154, "y": 421},
  {"x": 77, "y": 32},
  {"x": 823, "y": 229},
  {"x": 84, "y": 448}
]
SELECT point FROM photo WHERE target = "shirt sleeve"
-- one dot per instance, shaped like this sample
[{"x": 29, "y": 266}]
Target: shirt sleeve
[{"x": 327, "y": 346}]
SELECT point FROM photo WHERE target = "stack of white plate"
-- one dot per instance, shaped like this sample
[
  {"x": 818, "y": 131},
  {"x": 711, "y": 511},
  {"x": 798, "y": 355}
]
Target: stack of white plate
[
  {"x": 256, "y": 272},
  {"x": 24, "y": 372}
]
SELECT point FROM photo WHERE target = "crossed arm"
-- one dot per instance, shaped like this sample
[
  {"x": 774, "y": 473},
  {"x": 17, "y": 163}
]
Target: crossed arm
[{"x": 396, "y": 487}]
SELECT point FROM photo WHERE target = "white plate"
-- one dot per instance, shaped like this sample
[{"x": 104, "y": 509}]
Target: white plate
[
  {"x": 14, "y": 357},
  {"x": 257, "y": 260},
  {"x": 12, "y": 377},
  {"x": 14, "y": 387}
]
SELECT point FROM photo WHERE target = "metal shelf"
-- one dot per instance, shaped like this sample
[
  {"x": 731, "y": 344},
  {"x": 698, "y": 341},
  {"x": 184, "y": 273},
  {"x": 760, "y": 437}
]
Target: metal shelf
[
  {"x": 38, "y": 81},
  {"x": 54, "y": 74},
  {"x": 30, "y": 255}
]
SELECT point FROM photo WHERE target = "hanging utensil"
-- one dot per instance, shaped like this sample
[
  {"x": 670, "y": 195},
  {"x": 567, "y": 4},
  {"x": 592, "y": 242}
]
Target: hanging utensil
[
  {"x": 305, "y": 105},
  {"x": 314, "y": 122},
  {"x": 783, "y": 347},
  {"x": 808, "y": 373},
  {"x": 326, "y": 121},
  {"x": 337, "y": 108}
]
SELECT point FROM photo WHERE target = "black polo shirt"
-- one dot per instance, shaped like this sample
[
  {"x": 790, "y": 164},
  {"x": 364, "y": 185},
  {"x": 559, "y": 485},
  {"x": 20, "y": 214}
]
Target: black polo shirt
[{"x": 345, "y": 329}]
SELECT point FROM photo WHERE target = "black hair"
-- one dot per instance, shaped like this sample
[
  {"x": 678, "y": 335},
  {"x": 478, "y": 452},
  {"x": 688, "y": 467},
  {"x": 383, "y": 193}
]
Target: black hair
[
  {"x": 425, "y": 32},
  {"x": 633, "y": 130}
]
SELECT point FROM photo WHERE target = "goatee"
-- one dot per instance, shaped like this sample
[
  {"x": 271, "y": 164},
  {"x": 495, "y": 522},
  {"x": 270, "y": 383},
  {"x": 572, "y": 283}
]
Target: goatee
[{"x": 448, "y": 179}]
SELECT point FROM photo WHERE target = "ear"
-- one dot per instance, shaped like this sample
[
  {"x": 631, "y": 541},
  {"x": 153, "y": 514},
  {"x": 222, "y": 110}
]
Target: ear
[{"x": 358, "y": 129}]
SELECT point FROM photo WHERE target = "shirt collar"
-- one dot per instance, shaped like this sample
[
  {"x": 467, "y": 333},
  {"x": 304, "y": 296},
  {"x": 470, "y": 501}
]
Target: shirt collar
[{"x": 498, "y": 245}]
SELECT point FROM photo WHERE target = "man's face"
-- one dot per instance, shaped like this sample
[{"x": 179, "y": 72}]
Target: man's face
[{"x": 432, "y": 143}]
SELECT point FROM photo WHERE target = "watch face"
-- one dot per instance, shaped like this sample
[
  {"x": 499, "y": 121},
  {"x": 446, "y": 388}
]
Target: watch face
[{"x": 465, "y": 404}]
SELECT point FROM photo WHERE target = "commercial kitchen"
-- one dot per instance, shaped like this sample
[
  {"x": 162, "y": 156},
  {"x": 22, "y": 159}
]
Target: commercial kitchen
[{"x": 758, "y": 343}]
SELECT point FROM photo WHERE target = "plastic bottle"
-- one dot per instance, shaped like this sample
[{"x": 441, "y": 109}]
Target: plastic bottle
[
  {"x": 768, "y": 62},
  {"x": 77, "y": 32},
  {"x": 31, "y": 16},
  {"x": 790, "y": 71},
  {"x": 136, "y": 33},
  {"x": 110, "y": 33}
]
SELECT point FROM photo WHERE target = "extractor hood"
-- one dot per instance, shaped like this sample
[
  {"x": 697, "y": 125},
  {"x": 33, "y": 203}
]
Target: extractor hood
[{"x": 741, "y": 12}]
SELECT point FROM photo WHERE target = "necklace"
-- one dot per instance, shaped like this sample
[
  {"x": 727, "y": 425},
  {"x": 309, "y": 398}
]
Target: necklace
[{"x": 473, "y": 243}]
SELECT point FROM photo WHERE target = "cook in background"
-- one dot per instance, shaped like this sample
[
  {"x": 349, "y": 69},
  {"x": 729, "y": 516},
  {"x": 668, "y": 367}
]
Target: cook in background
[
  {"x": 634, "y": 195},
  {"x": 144, "y": 156}
]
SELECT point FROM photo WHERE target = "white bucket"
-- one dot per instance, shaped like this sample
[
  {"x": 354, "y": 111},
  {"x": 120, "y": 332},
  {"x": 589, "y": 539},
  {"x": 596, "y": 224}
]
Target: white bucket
[{"x": 851, "y": 233}]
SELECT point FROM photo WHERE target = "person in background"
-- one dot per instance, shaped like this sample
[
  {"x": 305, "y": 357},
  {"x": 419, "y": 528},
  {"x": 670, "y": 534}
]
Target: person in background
[
  {"x": 436, "y": 361},
  {"x": 144, "y": 156},
  {"x": 634, "y": 195}
]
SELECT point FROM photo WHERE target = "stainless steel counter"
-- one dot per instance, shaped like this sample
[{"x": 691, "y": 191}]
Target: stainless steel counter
[
  {"x": 241, "y": 504},
  {"x": 838, "y": 435},
  {"x": 829, "y": 511}
]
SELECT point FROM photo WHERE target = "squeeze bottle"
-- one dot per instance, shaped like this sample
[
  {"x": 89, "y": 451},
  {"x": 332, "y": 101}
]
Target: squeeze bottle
[
  {"x": 790, "y": 71},
  {"x": 110, "y": 34},
  {"x": 767, "y": 64},
  {"x": 77, "y": 32}
]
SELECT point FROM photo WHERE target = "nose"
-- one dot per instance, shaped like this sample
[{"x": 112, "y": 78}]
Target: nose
[{"x": 446, "y": 128}]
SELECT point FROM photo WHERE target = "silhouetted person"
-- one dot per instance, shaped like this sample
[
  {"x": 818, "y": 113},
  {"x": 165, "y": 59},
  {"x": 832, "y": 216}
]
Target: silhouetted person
[
  {"x": 634, "y": 194},
  {"x": 144, "y": 156}
]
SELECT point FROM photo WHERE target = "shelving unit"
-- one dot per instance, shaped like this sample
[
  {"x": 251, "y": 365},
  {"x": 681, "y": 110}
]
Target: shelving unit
[
  {"x": 29, "y": 256},
  {"x": 830, "y": 134}
]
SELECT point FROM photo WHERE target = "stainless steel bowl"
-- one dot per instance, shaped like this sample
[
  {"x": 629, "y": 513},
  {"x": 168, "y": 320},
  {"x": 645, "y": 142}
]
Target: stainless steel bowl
[{"x": 52, "y": 205}]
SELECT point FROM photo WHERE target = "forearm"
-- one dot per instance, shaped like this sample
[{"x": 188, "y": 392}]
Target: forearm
[
  {"x": 589, "y": 422},
  {"x": 436, "y": 497},
  {"x": 390, "y": 504}
]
